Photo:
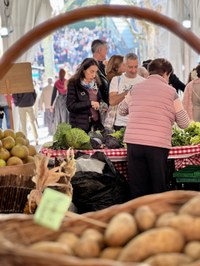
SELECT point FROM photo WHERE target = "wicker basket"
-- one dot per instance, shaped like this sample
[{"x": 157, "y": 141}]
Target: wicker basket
[
  {"x": 15, "y": 184},
  {"x": 18, "y": 231}
]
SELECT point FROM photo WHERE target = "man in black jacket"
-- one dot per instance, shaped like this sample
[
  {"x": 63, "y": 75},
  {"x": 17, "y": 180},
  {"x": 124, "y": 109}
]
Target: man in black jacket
[{"x": 99, "y": 50}]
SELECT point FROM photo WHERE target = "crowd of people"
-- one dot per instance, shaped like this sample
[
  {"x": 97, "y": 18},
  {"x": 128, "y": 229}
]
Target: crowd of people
[
  {"x": 119, "y": 93},
  {"x": 71, "y": 46}
]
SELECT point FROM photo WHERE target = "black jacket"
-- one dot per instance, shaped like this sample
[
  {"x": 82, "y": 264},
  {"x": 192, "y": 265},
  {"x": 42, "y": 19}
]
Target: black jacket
[
  {"x": 78, "y": 105},
  {"x": 103, "y": 88},
  {"x": 24, "y": 99},
  {"x": 176, "y": 83}
]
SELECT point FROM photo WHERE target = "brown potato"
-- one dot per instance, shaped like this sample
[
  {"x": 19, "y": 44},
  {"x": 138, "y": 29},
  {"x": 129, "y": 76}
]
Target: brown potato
[
  {"x": 188, "y": 225},
  {"x": 87, "y": 248},
  {"x": 152, "y": 242},
  {"x": 120, "y": 230},
  {"x": 94, "y": 235},
  {"x": 51, "y": 247},
  {"x": 192, "y": 249},
  {"x": 145, "y": 218},
  {"x": 68, "y": 238},
  {"x": 170, "y": 259},
  {"x": 195, "y": 263},
  {"x": 163, "y": 219},
  {"x": 111, "y": 253},
  {"x": 191, "y": 207}
]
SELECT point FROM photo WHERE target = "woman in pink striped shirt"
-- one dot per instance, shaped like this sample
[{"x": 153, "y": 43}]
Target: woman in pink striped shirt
[{"x": 153, "y": 107}]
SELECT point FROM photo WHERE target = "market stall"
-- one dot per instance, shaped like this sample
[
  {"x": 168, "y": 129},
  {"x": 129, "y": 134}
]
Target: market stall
[{"x": 182, "y": 156}]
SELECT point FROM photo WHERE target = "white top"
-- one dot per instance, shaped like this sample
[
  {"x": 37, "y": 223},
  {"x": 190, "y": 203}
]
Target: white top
[
  {"x": 3, "y": 100},
  {"x": 119, "y": 85}
]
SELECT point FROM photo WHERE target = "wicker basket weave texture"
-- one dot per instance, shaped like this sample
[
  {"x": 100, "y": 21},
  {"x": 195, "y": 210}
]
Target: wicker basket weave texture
[{"x": 18, "y": 231}]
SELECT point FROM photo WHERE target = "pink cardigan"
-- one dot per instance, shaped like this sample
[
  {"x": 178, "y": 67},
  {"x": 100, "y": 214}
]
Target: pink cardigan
[{"x": 153, "y": 108}]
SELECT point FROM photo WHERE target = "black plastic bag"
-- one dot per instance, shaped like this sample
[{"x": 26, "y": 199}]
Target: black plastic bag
[{"x": 93, "y": 191}]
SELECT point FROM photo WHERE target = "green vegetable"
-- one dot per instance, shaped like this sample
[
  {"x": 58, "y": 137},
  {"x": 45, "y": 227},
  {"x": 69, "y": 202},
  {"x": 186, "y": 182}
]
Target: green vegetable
[
  {"x": 119, "y": 135},
  {"x": 77, "y": 139},
  {"x": 187, "y": 136}
]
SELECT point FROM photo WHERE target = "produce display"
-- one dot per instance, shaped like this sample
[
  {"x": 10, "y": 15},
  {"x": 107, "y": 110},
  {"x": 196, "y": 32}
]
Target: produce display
[
  {"x": 15, "y": 148},
  {"x": 171, "y": 237},
  {"x": 187, "y": 136},
  {"x": 66, "y": 137}
]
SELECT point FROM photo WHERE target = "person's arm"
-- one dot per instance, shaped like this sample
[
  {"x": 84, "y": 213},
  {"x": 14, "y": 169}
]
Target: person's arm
[
  {"x": 114, "y": 97},
  {"x": 182, "y": 119},
  {"x": 53, "y": 97},
  {"x": 123, "y": 106}
]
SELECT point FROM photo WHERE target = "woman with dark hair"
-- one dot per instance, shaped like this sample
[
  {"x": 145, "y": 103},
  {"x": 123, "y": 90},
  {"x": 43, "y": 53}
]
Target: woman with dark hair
[
  {"x": 153, "y": 107},
  {"x": 83, "y": 97},
  {"x": 191, "y": 96},
  {"x": 58, "y": 100}
]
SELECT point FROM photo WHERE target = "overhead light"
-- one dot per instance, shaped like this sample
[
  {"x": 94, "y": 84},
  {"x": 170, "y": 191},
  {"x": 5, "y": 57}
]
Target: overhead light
[
  {"x": 186, "y": 23},
  {"x": 7, "y": 25},
  {"x": 4, "y": 32}
]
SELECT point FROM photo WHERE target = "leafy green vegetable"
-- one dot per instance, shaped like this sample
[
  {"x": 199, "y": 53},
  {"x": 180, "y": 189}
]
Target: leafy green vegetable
[
  {"x": 59, "y": 140},
  {"x": 187, "y": 136},
  {"x": 119, "y": 135},
  {"x": 77, "y": 138}
]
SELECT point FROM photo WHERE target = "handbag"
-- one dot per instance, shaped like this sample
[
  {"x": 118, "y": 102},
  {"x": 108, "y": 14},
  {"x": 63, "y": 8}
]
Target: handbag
[
  {"x": 111, "y": 113},
  {"x": 110, "y": 116},
  {"x": 1, "y": 112}
]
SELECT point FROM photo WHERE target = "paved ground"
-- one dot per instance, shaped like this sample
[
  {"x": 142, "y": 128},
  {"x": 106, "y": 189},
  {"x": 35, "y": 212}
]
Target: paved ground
[{"x": 42, "y": 132}]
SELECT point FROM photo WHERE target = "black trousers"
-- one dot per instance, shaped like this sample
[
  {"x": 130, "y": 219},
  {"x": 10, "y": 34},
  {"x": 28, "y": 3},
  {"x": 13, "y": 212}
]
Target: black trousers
[{"x": 147, "y": 169}]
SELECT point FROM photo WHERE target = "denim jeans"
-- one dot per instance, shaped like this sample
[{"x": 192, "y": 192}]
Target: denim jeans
[{"x": 7, "y": 117}]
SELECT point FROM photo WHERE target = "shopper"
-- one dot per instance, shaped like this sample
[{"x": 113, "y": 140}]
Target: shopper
[
  {"x": 191, "y": 97},
  {"x": 153, "y": 107},
  {"x": 99, "y": 50},
  {"x": 45, "y": 104},
  {"x": 83, "y": 97},
  {"x": 25, "y": 102},
  {"x": 4, "y": 111},
  {"x": 119, "y": 87},
  {"x": 58, "y": 101}
]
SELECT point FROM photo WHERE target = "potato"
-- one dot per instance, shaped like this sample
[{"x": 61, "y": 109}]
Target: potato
[
  {"x": 170, "y": 259},
  {"x": 195, "y": 263},
  {"x": 164, "y": 218},
  {"x": 188, "y": 225},
  {"x": 68, "y": 238},
  {"x": 120, "y": 230},
  {"x": 95, "y": 235},
  {"x": 191, "y": 207},
  {"x": 152, "y": 242},
  {"x": 110, "y": 253},
  {"x": 145, "y": 218},
  {"x": 51, "y": 247},
  {"x": 87, "y": 248},
  {"x": 192, "y": 249}
]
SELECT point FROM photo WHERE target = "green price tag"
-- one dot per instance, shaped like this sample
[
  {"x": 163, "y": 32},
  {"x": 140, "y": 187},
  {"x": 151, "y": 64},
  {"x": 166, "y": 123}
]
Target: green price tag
[{"x": 52, "y": 208}]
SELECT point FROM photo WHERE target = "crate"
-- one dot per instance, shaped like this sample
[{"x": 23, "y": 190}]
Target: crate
[
  {"x": 15, "y": 185},
  {"x": 188, "y": 178},
  {"x": 190, "y": 173}
]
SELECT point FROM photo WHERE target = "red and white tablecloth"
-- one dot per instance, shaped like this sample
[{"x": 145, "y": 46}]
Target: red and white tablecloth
[{"x": 182, "y": 155}]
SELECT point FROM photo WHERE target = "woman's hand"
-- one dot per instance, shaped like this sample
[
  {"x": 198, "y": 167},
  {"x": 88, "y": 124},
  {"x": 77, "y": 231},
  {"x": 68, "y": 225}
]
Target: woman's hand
[{"x": 95, "y": 105}]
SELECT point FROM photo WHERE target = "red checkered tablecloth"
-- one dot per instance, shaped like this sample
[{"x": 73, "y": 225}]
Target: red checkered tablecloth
[
  {"x": 115, "y": 155},
  {"x": 183, "y": 151},
  {"x": 183, "y": 156}
]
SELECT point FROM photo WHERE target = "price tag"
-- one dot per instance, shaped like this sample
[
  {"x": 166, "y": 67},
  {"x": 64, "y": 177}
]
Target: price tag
[{"x": 52, "y": 208}]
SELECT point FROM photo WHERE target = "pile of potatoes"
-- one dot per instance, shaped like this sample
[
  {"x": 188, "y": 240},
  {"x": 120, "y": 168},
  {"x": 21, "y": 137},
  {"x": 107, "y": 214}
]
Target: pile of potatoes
[
  {"x": 15, "y": 148},
  {"x": 168, "y": 239}
]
